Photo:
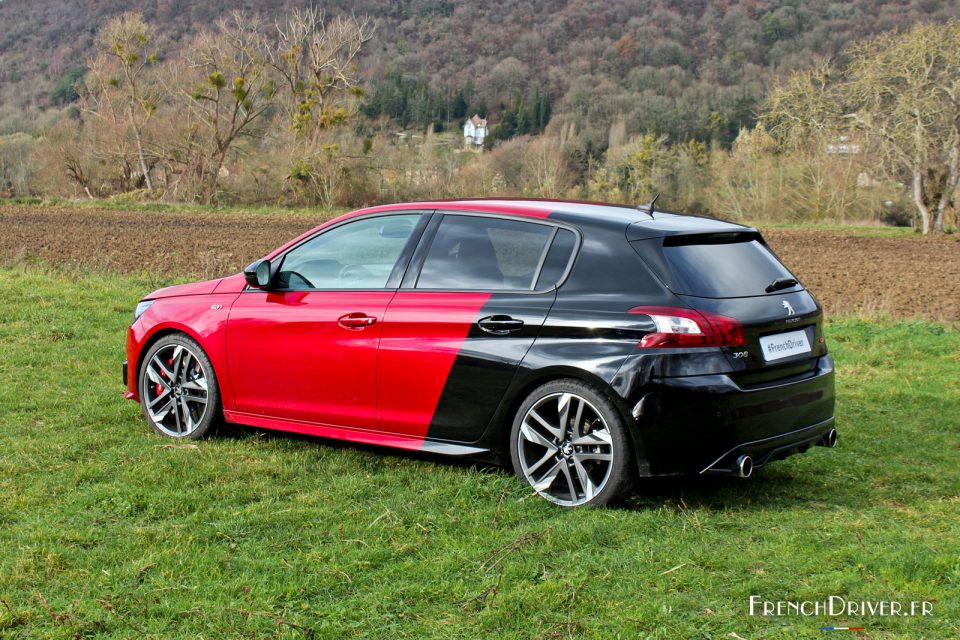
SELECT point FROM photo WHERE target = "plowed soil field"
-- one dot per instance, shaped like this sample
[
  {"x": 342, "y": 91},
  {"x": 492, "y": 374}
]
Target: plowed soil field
[{"x": 849, "y": 273}]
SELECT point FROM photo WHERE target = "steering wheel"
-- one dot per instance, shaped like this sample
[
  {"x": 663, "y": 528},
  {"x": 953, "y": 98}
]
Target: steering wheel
[{"x": 352, "y": 276}]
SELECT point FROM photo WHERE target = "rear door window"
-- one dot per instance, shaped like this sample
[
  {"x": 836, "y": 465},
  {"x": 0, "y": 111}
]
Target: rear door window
[
  {"x": 558, "y": 260},
  {"x": 484, "y": 253},
  {"x": 715, "y": 265}
]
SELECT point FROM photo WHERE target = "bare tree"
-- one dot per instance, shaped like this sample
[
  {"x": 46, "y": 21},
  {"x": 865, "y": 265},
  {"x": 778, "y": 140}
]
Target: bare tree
[
  {"x": 226, "y": 85},
  {"x": 286, "y": 88},
  {"x": 617, "y": 137},
  {"x": 106, "y": 135},
  {"x": 545, "y": 168},
  {"x": 906, "y": 90},
  {"x": 901, "y": 94},
  {"x": 125, "y": 51},
  {"x": 64, "y": 164},
  {"x": 315, "y": 61}
]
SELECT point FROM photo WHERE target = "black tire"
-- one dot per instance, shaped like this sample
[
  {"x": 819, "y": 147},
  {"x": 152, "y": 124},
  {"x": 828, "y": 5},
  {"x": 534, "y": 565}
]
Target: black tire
[
  {"x": 548, "y": 446},
  {"x": 184, "y": 420}
]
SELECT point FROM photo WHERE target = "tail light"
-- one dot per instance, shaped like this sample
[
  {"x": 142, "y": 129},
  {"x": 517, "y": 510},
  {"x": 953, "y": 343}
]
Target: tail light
[{"x": 678, "y": 327}]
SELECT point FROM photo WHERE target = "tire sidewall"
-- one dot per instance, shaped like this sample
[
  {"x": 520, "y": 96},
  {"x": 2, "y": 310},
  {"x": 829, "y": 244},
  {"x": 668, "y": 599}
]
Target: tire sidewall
[
  {"x": 621, "y": 473},
  {"x": 212, "y": 415}
]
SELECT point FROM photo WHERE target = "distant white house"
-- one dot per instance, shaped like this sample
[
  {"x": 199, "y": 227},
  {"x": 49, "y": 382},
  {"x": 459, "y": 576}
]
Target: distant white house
[
  {"x": 843, "y": 148},
  {"x": 474, "y": 131}
]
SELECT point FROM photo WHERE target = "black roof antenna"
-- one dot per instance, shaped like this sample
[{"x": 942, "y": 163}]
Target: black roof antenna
[{"x": 648, "y": 208}]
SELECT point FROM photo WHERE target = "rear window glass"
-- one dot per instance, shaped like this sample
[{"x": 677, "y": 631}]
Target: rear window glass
[{"x": 716, "y": 266}]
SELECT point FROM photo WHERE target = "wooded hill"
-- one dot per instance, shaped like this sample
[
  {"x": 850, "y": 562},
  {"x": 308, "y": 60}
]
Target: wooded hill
[{"x": 686, "y": 68}]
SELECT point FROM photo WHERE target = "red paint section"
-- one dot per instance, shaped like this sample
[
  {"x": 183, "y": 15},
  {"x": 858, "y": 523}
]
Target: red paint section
[
  {"x": 189, "y": 289},
  {"x": 193, "y": 315},
  {"x": 423, "y": 332},
  {"x": 133, "y": 348},
  {"x": 324, "y": 430},
  {"x": 292, "y": 358},
  {"x": 232, "y": 284},
  {"x": 517, "y": 207}
]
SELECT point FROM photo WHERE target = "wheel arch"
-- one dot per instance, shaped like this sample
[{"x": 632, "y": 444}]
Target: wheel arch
[
  {"x": 498, "y": 434},
  {"x": 156, "y": 335}
]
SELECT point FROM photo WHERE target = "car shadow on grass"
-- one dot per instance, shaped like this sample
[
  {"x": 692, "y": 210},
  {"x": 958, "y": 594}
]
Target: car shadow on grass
[
  {"x": 773, "y": 488},
  {"x": 776, "y": 486}
]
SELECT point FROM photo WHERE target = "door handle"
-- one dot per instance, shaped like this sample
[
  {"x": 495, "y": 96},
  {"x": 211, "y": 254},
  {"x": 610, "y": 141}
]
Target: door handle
[
  {"x": 356, "y": 320},
  {"x": 500, "y": 325}
]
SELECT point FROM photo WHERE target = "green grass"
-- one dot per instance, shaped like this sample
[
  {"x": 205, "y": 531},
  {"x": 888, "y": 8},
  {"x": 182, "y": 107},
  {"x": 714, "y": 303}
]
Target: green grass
[
  {"x": 132, "y": 204},
  {"x": 107, "y": 530},
  {"x": 864, "y": 230}
]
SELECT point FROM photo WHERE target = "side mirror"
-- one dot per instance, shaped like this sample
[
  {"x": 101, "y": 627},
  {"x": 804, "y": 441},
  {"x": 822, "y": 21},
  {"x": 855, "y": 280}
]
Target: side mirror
[{"x": 258, "y": 274}]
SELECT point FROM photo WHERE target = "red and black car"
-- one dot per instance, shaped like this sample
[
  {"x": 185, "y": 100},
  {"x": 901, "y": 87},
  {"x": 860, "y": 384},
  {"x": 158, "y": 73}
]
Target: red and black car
[{"x": 586, "y": 344}]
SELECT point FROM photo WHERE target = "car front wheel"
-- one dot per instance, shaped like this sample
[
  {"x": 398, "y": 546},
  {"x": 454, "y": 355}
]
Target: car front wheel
[
  {"x": 178, "y": 388},
  {"x": 571, "y": 445}
]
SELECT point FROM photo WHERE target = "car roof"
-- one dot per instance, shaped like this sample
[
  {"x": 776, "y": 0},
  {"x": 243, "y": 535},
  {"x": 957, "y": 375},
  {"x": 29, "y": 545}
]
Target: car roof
[
  {"x": 636, "y": 223},
  {"x": 641, "y": 223}
]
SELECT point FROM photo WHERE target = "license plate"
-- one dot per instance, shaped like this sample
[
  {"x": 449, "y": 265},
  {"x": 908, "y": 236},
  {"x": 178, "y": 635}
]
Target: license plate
[{"x": 784, "y": 345}]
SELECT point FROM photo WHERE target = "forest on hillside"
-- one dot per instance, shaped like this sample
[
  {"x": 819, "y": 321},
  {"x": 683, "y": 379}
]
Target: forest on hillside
[
  {"x": 237, "y": 102},
  {"x": 691, "y": 69}
]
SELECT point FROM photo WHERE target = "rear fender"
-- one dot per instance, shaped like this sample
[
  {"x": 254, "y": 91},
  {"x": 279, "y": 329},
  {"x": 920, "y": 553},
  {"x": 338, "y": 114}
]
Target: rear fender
[{"x": 547, "y": 360}]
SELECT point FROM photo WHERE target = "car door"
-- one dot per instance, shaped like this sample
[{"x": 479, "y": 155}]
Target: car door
[
  {"x": 305, "y": 349},
  {"x": 454, "y": 334}
]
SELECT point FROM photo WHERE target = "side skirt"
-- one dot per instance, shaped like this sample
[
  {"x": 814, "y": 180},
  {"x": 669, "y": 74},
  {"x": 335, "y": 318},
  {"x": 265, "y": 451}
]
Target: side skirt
[{"x": 361, "y": 436}]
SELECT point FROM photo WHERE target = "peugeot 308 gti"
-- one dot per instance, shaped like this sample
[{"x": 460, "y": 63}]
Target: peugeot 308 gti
[{"x": 585, "y": 344}]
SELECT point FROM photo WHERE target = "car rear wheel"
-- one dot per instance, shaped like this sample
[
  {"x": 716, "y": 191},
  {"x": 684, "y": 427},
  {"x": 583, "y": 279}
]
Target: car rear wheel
[
  {"x": 178, "y": 388},
  {"x": 571, "y": 445}
]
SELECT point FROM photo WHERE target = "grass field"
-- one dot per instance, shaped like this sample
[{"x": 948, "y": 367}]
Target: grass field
[
  {"x": 132, "y": 204},
  {"x": 107, "y": 530}
]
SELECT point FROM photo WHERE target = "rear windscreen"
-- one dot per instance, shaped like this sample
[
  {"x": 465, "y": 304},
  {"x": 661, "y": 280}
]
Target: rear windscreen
[{"x": 715, "y": 265}]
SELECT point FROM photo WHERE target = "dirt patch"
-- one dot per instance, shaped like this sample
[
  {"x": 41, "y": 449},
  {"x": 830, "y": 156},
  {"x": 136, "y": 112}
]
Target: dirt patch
[
  {"x": 173, "y": 244},
  {"x": 903, "y": 277},
  {"x": 847, "y": 273}
]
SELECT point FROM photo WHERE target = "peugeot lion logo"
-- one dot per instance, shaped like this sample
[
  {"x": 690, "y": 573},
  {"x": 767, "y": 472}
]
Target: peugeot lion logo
[{"x": 789, "y": 308}]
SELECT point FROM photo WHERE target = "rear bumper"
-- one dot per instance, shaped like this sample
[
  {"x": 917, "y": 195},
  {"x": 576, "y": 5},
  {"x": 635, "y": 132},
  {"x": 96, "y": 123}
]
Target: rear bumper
[
  {"x": 773, "y": 448},
  {"x": 702, "y": 423}
]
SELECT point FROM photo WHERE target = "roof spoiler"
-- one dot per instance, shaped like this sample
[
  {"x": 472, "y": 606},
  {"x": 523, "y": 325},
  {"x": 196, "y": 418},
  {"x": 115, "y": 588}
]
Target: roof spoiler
[{"x": 682, "y": 225}]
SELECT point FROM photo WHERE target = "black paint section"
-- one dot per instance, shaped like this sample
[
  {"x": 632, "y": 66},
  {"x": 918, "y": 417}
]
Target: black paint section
[
  {"x": 684, "y": 407},
  {"x": 485, "y": 367}
]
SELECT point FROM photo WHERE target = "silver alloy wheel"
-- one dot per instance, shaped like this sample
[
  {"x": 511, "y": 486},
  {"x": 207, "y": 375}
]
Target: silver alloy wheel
[
  {"x": 565, "y": 449},
  {"x": 175, "y": 392}
]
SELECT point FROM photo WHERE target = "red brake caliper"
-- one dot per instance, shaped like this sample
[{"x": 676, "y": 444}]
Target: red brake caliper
[{"x": 160, "y": 386}]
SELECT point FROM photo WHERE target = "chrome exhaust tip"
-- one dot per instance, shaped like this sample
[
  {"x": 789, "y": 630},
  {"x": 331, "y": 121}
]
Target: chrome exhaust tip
[
  {"x": 744, "y": 466},
  {"x": 830, "y": 439}
]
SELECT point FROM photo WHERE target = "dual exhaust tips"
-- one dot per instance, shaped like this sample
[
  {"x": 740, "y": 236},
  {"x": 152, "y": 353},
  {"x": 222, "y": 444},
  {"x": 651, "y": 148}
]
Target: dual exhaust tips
[{"x": 743, "y": 466}]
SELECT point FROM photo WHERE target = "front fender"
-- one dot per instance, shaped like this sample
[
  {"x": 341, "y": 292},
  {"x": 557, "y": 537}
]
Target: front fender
[{"x": 202, "y": 317}]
